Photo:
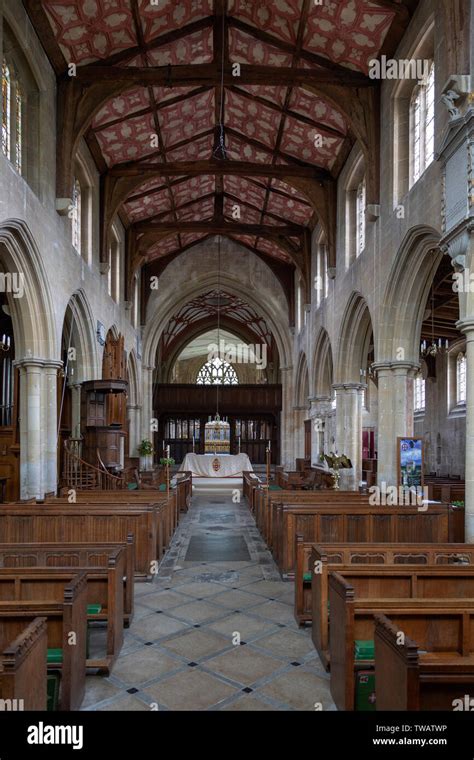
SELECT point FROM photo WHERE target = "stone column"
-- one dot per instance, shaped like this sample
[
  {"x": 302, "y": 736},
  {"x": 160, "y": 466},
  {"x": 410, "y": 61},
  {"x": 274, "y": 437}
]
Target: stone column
[
  {"x": 134, "y": 414},
  {"x": 49, "y": 426},
  {"x": 349, "y": 431},
  {"x": 300, "y": 413},
  {"x": 467, "y": 327},
  {"x": 147, "y": 409},
  {"x": 31, "y": 371},
  {"x": 395, "y": 414},
  {"x": 320, "y": 408},
  {"x": 287, "y": 458}
]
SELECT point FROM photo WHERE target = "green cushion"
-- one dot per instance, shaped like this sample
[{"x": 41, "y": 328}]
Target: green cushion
[
  {"x": 364, "y": 650},
  {"x": 52, "y": 691},
  {"x": 365, "y": 691},
  {"x": 275, "y": 488},
  {"x": 54, "y": 656},
  {"x": 132, "y": 486},
  {"x": 307, "y": 577},
  {"x": 94, "y": 609},
  {"x": 162, "y": 487}
]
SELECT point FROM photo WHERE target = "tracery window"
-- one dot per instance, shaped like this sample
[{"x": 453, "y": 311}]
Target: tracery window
[
  {"x": 6, "y": 108},
  {"x": 76, "y": 216},
  {"x": 12, "y": 116},
  {"x": 461, "y": 372},
  {"x": 420, "y": 393},
  {"x": 217, "y": 372},
  {"x": 422, "y": 125},
  {"x": 360, "y": 214}
]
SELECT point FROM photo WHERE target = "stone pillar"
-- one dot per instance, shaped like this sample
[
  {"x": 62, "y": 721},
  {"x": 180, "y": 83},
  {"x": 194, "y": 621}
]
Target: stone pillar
[
  {"x": 134, "y": 414},
  {"x": 147, "y": 409},
  {"x": 349, "y": 431},
  {"x": 467, "y": 327},
  {"x": 320, "y": 409},
  {"x": 31, "y": 371},
  {"x": 395, "y": 414},
  {"x": 49, "y": 427},
  {"x": 300, "y": 414},
  {"x": 286, "y": 420}
]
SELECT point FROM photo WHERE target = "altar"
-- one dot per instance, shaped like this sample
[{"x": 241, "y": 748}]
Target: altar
[{"x": 216, "y": 466}]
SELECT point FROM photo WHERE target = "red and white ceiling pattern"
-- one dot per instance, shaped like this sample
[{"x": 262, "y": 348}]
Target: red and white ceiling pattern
[
  {"x": 207, "y": 306},
  {"x": 268, "y": 124}
]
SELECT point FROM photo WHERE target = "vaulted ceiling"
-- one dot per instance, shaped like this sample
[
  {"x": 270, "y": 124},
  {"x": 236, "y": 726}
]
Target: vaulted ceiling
[{"x": 188, "y": 144}]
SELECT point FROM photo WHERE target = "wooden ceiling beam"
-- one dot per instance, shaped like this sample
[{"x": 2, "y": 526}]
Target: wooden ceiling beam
[
  {"x": 219, "y": 168},
  {"x": 207, "y": 74},
  {"x": 216, "y": 227}
]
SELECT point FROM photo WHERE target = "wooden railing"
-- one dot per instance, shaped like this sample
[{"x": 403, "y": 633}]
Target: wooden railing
[{"x": 83, "y": 476}]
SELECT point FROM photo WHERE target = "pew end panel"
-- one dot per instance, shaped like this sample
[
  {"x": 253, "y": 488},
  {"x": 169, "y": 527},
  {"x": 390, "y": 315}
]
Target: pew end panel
[{"x": 23, "y": 666}]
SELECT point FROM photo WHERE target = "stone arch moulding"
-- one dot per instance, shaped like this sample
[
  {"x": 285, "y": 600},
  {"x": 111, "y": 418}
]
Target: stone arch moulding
[
  {"x": 405, "y": 296},
  {"x": 33, "y": 313},
  {"x": 133, "y": 379},
  {"x": 83, "y": 337},
  {"x": 302, "y": 382},
  {"x": 168, "y": 306},
  {"x": 356, "y": 323},
  {"x": 322, "y": 367}
]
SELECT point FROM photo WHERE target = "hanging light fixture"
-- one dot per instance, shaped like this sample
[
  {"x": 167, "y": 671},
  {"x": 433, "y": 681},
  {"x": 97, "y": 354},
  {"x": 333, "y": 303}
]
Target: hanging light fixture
[
  {"x": 5, "y": 343},
  {"x": 434, "y": 348}
]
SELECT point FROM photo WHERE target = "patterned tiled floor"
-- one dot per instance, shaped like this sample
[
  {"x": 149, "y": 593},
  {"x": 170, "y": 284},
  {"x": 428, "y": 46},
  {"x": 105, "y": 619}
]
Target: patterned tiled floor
[{"x": 217, "y": 635}]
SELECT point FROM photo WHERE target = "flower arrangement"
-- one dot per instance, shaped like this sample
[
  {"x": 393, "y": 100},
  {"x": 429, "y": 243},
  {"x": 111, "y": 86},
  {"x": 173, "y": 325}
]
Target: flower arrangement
[
  {"x": 167, "y": 461},
  {"x": 145, "y": 448}
]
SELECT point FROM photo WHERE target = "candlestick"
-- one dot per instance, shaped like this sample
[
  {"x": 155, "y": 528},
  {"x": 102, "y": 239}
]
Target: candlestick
[{"x": 163, "y": 447}]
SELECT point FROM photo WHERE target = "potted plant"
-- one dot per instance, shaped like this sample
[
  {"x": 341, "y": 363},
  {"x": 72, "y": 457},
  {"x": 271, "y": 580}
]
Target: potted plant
[
  {"x": 145, "y": 450},
  {"x": 167, "y": 461}
]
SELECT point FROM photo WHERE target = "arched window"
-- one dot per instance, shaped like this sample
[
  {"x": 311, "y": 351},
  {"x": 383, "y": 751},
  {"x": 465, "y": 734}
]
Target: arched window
[
  {"x": 217, "y": 372},
  {"x": 422, "y": 114},
  {"x": 461, "y": 368},
  {"x": 76, "y": 216},
  {"x": 360, "y": 214},
  {"x": 6, "y": 108},
  {"x": 19, "y": 129},
  {"x": 420, "y": 391}
]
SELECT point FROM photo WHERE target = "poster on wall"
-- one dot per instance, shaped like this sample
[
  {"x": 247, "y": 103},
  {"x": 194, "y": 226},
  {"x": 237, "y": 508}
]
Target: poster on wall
[{"x": 410, "y": 462}]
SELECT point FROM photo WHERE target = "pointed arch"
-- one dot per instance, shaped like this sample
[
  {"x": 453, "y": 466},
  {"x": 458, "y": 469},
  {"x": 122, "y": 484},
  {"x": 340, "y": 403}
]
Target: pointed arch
[
  {"x": 322, "y": 366},
  {"x": 356, "y": 330},
  {"x": 78, "y": 318},
  {"x": 302, "y": 382}
]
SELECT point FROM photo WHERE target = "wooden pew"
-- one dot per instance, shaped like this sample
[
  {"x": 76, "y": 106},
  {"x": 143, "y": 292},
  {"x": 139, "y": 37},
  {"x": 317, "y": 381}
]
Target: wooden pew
[
  {"x": 166, "y": 509},
  {"x": 23, "y": 668},
  {"x": 322, "y": 523},
  {"x": 104, "y": 588},
  {"x": 85, "y": 556},
  {"x": 433, "y": 673},
  {"x": 184, "y": 491},
  {"x": 82, "y": 523},
  {"x": 352, "y": 619},
  {"x": 387, "y": 582},
  {"x": 62, "y": 618},
  {"x": 330, "y": 556},
  {"x": 250, "y": 484}
]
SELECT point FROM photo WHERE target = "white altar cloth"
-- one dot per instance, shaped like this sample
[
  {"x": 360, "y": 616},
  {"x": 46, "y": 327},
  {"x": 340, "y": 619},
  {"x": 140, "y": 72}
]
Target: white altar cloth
[{"x": 218, "y": 466}]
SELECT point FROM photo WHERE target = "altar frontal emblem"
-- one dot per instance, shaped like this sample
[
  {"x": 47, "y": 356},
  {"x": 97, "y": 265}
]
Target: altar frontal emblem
[{"x": 216, "y": 465}]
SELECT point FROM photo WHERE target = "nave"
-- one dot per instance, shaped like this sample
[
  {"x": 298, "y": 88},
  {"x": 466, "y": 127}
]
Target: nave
[{"x": 217, "y": 581}]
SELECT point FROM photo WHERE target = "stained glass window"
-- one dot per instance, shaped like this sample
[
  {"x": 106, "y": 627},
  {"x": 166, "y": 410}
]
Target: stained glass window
[
  {"x": 217, "y": 372},
  {"x": 419, "y": 393},
  {"x": 461, "y": 367},
  {"x": 422, "y": 125},
  {"x": 19, "y": 129},
  {"x": 429, "y": 117},
  {"x": 76, "y": 216},
  {"x": 6, "y": 108},
  {"x": 360, "y": 211}
]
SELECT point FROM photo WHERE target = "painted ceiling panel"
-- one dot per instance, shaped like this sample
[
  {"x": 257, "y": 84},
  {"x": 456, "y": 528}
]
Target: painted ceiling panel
[
  {"x": 122, "y": 106},
  {"x": 273, "y": 94},
  {"x": 280, "y": 17},
  {"x": 163, "y": 247},
  {"x": 193, "y": 189},
  {"x": 150, "y": 205},
  {"x": 252, "y": 119},
  {"x": 128, "y": 141},
  {"x": 191, "y": 237},
  {"x": 193, "y": 151},
  {"x": 247, "y": 215},
  {"x": 196, "y": 48},
  {"x": 289, "y": 208},
  {"x": 272, "y": 249},
  {"x": 162, "y": 94},
  {"x": 244, "y": 48},
  {"x": 166, "y": 15},
  {"x": 244, "y": 190},
  {"x": 88, "y": 30},
  {"x": 317, "y": 109},
  {"x": 197, "y": 212},
  {"x": 302, "y": 142},
  {"x": 240, "y": 150},
  {"x": 188, "y": 119},
  {"x": 349, "y": 32},
  {"x": 245, "y": 239}
]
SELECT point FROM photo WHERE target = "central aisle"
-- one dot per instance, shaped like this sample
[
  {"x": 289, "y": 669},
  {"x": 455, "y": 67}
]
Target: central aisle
[{"x": 217, "y": 580}]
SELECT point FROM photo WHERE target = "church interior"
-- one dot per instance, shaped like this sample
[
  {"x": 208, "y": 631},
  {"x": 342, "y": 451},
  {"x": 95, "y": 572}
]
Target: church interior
[{"x": 237, "y": 351}]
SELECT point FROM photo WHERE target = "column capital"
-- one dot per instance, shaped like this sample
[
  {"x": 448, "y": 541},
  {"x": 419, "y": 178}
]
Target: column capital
[
  {"x": 320, "y": 399},
  {"x": 286, "y": 369},
  {"x": 34, "y": 361},
  {"x": 466, "y": 326},
  {"x": 393, "y": 366},
  {"x": 349, "y": 386}
]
